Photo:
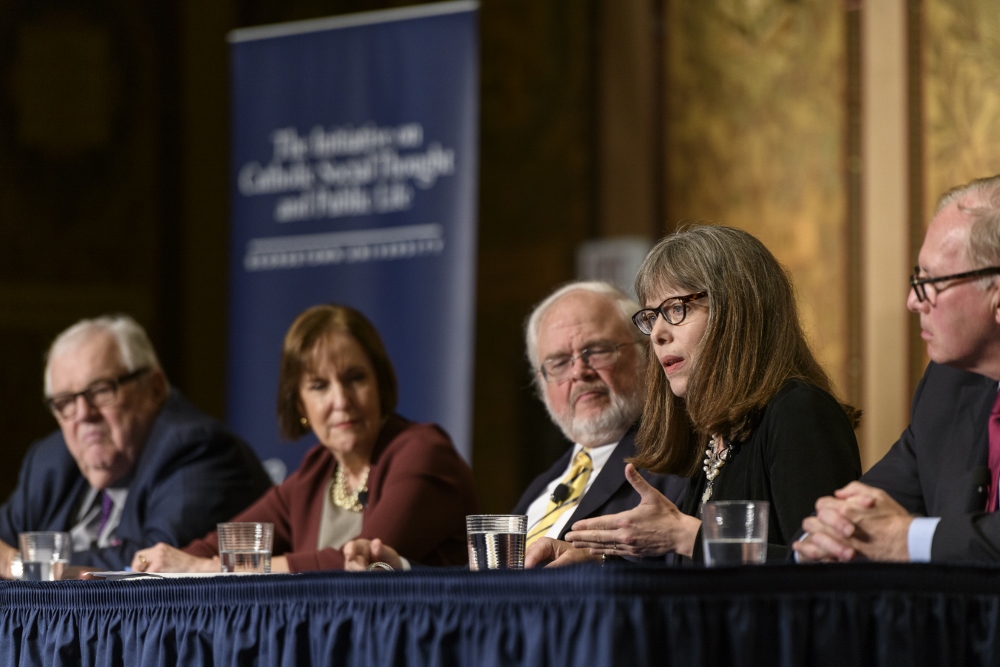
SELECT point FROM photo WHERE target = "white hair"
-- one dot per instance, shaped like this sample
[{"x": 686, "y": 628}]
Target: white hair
[
  {"x": 626, "y": 305},
  {"x": 134, "y": 347}
]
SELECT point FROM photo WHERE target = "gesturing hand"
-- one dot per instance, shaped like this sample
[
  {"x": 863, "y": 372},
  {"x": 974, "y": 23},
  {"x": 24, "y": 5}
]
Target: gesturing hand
[
  {"x": 555, "y": 553},
  {"x": 653, "y": 528}
]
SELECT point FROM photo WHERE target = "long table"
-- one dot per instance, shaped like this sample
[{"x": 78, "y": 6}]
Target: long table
[{"x": 863, "y": 614}]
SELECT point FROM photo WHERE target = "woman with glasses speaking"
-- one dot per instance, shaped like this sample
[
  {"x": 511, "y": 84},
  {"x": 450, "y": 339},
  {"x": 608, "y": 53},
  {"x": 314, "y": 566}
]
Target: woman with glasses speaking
[{"x": 735, "y": 399}]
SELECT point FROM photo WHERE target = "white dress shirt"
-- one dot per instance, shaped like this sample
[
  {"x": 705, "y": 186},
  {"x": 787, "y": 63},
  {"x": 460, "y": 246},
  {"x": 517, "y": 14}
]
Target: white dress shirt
[{"x": 537, "y": 509}]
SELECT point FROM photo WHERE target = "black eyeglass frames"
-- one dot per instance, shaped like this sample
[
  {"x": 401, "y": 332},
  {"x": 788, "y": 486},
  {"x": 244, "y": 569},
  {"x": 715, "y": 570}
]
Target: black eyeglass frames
[
  {"x": 100, "y": 393},
  {"x": 919, "y": 285},
  {"x": 673, "y": 310}
]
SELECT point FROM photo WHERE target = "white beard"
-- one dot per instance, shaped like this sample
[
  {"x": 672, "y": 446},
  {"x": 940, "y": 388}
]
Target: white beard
[{"x": 604, "y": 428}]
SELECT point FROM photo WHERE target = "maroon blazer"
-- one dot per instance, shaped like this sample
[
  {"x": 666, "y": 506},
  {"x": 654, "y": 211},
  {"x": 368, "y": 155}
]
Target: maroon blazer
[{"x": 419, "y": 492}]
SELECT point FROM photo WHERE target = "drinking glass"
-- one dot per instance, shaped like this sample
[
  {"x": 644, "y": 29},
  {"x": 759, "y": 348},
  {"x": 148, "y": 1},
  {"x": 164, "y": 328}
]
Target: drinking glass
[
  {"x": 734, "y": 532},
  {"x": 44, "y": 555},
  {"x": 245, "y": 547},
  {"x": 496, "y": 541}
]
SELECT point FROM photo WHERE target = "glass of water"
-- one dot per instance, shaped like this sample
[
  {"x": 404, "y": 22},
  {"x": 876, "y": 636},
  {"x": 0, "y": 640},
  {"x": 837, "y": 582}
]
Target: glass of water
[
  {"x": 735, "y": 532},
  {"x": 496, "y": 541},
  {"x": 44, "y": 555},
  {"x": 245, "y": 547}
]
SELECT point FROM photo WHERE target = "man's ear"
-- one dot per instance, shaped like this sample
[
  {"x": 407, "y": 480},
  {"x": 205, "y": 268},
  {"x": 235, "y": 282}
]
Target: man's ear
[
  {"x": 995, "y": 300},
  {"x": 158, "y": 384}
]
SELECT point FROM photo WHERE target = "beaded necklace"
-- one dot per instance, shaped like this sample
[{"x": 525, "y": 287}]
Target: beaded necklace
[
  {"x": 341, "y": 497},
  {"x": 715, "y": 458}
]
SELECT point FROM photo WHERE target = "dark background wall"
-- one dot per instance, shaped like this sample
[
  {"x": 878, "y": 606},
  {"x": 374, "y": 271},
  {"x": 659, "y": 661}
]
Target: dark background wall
[{"x": 114, "y": 186}]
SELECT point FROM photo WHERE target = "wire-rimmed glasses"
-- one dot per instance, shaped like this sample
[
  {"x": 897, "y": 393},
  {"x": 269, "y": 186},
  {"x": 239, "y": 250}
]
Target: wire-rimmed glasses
[{"x": 595, "y": 357}]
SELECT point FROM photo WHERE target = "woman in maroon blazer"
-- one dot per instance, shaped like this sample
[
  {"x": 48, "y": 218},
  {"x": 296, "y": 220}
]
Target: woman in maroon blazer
[{"x": 373, "y": 474}]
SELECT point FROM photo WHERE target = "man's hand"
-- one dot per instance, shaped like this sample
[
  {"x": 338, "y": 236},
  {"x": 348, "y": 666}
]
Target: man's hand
[
  {"x": 7, "y": 556},
  {"x": 857, "y": 521},
  {"x": 165, "y": 558},
  {"x": 360, "y": 553},
  {"x": 653, "y": 528},
  {"x": 548, "y": 552}
]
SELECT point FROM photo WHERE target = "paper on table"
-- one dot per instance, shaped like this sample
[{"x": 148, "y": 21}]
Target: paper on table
[{"x": 115, "y": 576}]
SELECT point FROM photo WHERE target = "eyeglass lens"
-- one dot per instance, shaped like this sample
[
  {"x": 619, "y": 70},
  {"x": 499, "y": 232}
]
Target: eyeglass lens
[{"x": 596, "y": 358}]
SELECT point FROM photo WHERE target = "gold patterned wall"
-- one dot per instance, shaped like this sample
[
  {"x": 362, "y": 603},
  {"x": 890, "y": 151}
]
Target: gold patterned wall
[
  {"x": 755, "y": 139},
  {"x": 961, "y": 93}
]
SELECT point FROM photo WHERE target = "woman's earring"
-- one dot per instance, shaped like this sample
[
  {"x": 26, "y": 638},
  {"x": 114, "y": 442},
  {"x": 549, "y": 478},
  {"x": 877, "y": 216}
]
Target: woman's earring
[{"x": 303, "y": 421}]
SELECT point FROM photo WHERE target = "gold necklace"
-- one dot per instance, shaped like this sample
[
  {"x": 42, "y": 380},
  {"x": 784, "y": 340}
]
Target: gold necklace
[
  {"x": 341, "y": 497},
  {"x": 715, "y": 458}
]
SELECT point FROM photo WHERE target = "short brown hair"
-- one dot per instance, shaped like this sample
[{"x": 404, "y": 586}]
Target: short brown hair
[
  {"x": 298, "y": 356},
  {"x": 753, "y": 344}
]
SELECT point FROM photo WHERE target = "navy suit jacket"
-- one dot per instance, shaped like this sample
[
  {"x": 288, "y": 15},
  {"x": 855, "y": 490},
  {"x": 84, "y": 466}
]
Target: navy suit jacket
[
  {"x": 937, "y": 467},
  {"x": 191, "y": 474},
  {"x": 610, "y": 493}
]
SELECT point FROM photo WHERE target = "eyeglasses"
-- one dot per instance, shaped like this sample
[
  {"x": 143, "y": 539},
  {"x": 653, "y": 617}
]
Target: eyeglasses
[
  {"x": 919, "y": 285},
  {"x": 674, "y": 310},
  {"x": 99, "y": 394},
  {"x": 595, "y": 357}
]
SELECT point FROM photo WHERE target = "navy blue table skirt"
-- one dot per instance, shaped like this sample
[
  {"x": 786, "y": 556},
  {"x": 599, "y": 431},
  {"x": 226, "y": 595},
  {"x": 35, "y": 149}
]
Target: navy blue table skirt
[{"x": 864, "y": 614}]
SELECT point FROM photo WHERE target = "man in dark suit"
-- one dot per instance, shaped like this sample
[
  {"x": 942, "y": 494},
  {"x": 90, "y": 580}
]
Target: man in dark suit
[
  {"x": 933, "y": 496},
  {"x": 132, "y": 464},
  {"x": 587, "y": 357}
]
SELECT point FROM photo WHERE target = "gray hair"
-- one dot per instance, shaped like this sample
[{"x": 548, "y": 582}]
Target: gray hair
[
  {"x": 980, "y": 200},
  {"x": 134, "y": 347},
  {"x": 625, "y": 303}
]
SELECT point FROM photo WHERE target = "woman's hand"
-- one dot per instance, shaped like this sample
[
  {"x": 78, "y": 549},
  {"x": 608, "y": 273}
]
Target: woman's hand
[
  {"x": 165, "y": 558},
  {"x": 548, "y": 552},
  {"x": 360, "y": 553},
  {"x": 653, "y": 528}
]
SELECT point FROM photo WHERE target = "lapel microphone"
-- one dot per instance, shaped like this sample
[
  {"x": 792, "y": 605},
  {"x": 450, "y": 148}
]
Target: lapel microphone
[
  {"x": 981, "y": 479},
  {"x": 363, "y": 498},
  {"x": 559, "y": 494}
]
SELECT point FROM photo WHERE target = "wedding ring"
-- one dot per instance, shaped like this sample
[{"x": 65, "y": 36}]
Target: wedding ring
[
  {"x": 379, "y": 565},
  {"x": 142, "y": 559}
]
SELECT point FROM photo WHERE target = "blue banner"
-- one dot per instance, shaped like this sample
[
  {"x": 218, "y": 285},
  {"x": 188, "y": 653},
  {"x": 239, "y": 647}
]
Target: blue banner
[{"x": 354, "y": 181}]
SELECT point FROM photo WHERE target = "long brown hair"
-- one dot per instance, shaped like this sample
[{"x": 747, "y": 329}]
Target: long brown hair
[{"x": 753, "y": 344}]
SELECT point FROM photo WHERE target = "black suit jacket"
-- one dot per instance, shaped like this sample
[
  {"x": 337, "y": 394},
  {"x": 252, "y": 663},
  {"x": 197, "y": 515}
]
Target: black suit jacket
[
  {"x": 610, "y": 493},
  {"x": 936, "y": 468},
  {"x": 191, "y": 474}
]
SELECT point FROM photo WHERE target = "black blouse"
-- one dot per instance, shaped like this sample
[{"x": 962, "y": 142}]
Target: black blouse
[{"x": 803, "y": 448}]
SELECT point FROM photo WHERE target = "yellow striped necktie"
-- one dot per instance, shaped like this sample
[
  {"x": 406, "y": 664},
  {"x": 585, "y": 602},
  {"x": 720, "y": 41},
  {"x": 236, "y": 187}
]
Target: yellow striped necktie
[{"x": 576, "y": 481}]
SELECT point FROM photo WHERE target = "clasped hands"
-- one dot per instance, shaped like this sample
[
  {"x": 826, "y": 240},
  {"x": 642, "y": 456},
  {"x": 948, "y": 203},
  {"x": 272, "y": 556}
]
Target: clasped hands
[{"x": 857, "y": 522}]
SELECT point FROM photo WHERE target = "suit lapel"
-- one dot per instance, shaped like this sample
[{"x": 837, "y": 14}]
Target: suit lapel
[
  {"x": 971, "y": 426},
  {"x": 539, "y": 483},
  {"x": 972, "y": 421}
]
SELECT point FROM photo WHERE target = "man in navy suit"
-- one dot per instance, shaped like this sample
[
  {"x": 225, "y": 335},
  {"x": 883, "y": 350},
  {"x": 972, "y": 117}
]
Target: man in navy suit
[
  {"x": 588, "y": 359},
  {"x": 132, "y": 464},
  {"x": 933, "y": 496}
]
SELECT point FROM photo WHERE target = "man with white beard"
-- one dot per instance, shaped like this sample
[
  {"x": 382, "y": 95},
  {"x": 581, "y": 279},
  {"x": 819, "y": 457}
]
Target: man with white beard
[{"x": 588, "y": 358}]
